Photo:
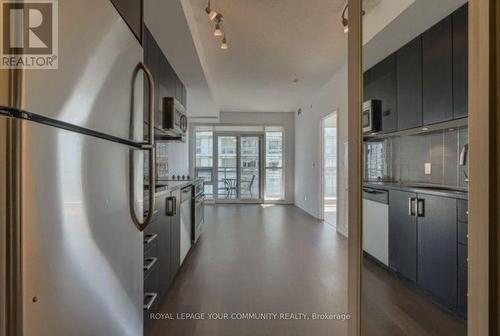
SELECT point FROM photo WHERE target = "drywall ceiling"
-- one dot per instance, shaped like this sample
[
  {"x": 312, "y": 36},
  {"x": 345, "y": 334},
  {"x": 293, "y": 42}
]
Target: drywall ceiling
[
  {"x": 271, "y": 44},
  {"x": 168, "y": 21},
  {"x": 413, "y": 21}
]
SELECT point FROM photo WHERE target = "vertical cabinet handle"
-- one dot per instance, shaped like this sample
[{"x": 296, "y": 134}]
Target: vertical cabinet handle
[
  {"x": 411, "y": 206},
  {"x": 420, "y": 207},
  {"x": 171, "y": 206}
]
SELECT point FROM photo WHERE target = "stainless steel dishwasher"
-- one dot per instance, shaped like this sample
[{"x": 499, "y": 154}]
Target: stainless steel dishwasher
[
  {"x": 376, "y": 224},
  {"x": 186, "y": 230}
]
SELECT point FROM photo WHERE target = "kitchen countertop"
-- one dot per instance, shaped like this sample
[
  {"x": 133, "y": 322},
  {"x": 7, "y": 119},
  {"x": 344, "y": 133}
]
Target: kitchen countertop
[
  {"x": 169, "y": 186},
  {"x": 421, "y": 188}
]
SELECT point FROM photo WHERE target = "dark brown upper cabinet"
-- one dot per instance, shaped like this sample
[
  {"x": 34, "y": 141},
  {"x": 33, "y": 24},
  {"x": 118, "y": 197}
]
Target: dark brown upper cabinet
[
  {"x": 132, "y": 12},
  {"x": 437, "y": 66},
  {"x": 380, "y": 84},
  {"x": 460, "y": 62},
  {"x": 152, "y": 58},
  {"x": 409, "y": 85},
  {"x": 166, "y": 81}
]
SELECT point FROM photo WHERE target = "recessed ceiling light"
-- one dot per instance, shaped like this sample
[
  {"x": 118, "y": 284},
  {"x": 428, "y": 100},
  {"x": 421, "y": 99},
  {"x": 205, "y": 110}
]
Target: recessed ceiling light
[{"x": 425, "y": 128}]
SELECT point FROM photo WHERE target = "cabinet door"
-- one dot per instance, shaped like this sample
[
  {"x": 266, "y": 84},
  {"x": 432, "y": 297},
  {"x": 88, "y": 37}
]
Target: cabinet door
[
  {"x": 402, "y": 235},
  {"x": 380, "y": 84},
  {"x": 175, "y": 254},
  {"x": 151, "y": 59},
  {"x": 437, "y": 247},
  {"x": 438, "y": 73},
  {"x": 409, "y": 84},
  {"x": 460, "y": 62},
  {"x": 132, "y": 12},
  {"x": 462, "y": 281},
  {"x": 184, "y": 96},
  {"x": 164, "y": 246}
]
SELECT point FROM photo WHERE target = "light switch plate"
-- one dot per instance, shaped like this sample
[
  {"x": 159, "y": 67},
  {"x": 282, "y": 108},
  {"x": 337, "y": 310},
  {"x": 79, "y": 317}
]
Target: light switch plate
[{"x": 428, "y": 169}]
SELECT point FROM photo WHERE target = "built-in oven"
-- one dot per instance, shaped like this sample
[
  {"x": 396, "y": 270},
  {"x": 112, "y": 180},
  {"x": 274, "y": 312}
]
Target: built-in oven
[
  {"x": 198, "y": 205},
  {"x": 372, "y": 116}
]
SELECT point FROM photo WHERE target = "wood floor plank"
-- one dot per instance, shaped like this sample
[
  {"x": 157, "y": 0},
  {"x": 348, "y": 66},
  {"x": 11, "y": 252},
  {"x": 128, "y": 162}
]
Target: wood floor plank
[{"x": 254, "y": 258}]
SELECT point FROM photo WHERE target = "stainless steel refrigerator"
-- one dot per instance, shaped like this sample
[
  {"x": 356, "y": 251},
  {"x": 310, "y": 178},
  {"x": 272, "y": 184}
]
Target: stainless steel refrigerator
[{"x": 71, "y": 182}]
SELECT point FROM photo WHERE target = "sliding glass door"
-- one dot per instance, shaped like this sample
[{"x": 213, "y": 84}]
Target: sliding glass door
[
  {"x": 238, "y": 167},
  {"x": 250, "y": 167},
  {"x": 241, "y": 163},
  {"x": 227, "y": 167}
]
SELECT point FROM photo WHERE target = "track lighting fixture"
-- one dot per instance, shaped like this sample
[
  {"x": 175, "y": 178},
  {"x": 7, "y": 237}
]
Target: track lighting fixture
[
  {"x": 345, "y": 20},
  {"x": 212, "y": 15},
  {"x": 224, "y": 45},
  {"x": 218, "y": 18},
  {"x": 218, "y": 30}
]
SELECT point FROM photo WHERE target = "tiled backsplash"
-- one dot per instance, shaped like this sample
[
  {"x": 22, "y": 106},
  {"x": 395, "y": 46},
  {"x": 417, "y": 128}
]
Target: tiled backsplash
[
  {"x": 161, "y": 161},
  {"x": 403, "y": 158}
]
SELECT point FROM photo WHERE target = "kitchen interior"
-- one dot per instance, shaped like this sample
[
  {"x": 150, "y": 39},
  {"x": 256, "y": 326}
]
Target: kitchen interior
[
  {"x": 415, "y": 201},
  {"x": 415, "y": 191},
  {"x": 179, "y": 199}
]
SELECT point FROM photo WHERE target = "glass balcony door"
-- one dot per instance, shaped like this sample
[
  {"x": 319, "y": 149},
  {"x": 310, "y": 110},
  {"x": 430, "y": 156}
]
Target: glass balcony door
[
  {"x": 250, "y": 162},
  {"x": 238, "y": 169}
]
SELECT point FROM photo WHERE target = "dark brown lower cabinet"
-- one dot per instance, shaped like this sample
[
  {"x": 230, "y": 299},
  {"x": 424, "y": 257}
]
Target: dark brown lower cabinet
[
  {"x": 428, "y": 245},
  {"x": 161, "y": 253},
  {"x": 437, "y": 247},
  {"x": 402, "y": 235},
  {"x": 462, "y": 281}
]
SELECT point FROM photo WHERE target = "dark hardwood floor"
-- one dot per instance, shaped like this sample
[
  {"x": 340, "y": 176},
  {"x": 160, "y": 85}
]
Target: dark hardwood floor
[
  {"x": 392, "y": 308},
  {"x": 260, "y": 259},
  {"x": 254, "y": 258}
]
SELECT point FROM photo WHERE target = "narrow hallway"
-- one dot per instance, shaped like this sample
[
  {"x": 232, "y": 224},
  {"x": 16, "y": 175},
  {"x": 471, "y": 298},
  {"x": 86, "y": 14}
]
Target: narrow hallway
[{"x": 260, "y": 258}]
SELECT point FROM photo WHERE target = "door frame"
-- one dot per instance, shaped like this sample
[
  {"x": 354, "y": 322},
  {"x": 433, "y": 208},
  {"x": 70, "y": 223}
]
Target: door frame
[
  {"x": 484, "y": 168},
  {"x": 238, "y": 199},
  {"x": 322, "y": 165}
]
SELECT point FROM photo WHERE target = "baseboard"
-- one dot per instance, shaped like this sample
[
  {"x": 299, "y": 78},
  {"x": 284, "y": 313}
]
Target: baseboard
[
  {"x": 307, "y": 211},
  {"x": 342, "y": 230}
]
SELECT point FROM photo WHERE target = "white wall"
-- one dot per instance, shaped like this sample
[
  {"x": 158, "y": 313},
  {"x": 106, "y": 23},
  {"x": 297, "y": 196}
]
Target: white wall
[
  {"x": 284, "y": 119},
  {"x": 332, "y": 96}
]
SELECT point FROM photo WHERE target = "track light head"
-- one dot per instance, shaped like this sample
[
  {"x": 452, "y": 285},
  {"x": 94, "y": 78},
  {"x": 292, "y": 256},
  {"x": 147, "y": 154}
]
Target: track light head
[
  {"x": 345, "y": 23},
  {"x": 212, "y": 15},
  {"x": 224, "y": 44},
  {"x": 218, "y": 30}
]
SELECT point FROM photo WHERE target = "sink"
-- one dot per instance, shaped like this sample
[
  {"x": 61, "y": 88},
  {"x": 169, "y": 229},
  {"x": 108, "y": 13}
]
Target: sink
[{"x": 434, "y": 187}]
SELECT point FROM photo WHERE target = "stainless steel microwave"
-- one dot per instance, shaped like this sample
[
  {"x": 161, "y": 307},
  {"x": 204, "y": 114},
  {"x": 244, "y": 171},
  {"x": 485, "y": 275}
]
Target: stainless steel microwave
[
  {"x": 174, "y": 119},
  {"x": 372, "y": 116}
]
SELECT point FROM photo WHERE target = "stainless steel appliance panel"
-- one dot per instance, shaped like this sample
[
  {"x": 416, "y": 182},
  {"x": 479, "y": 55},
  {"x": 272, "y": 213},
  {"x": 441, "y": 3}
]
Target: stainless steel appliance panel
[
  {"x": 376, "y": 224},
  {"x": 82, "y": 255},
  {"x": 186, "y": 234},
  {"x": 3, "y": 219},
  {"x": 199, "y": 216},
  {"x": 93, "y": 86}
]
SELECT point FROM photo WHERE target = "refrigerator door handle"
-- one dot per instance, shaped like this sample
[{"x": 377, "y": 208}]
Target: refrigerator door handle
[{"x": 150, "y": 147}]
